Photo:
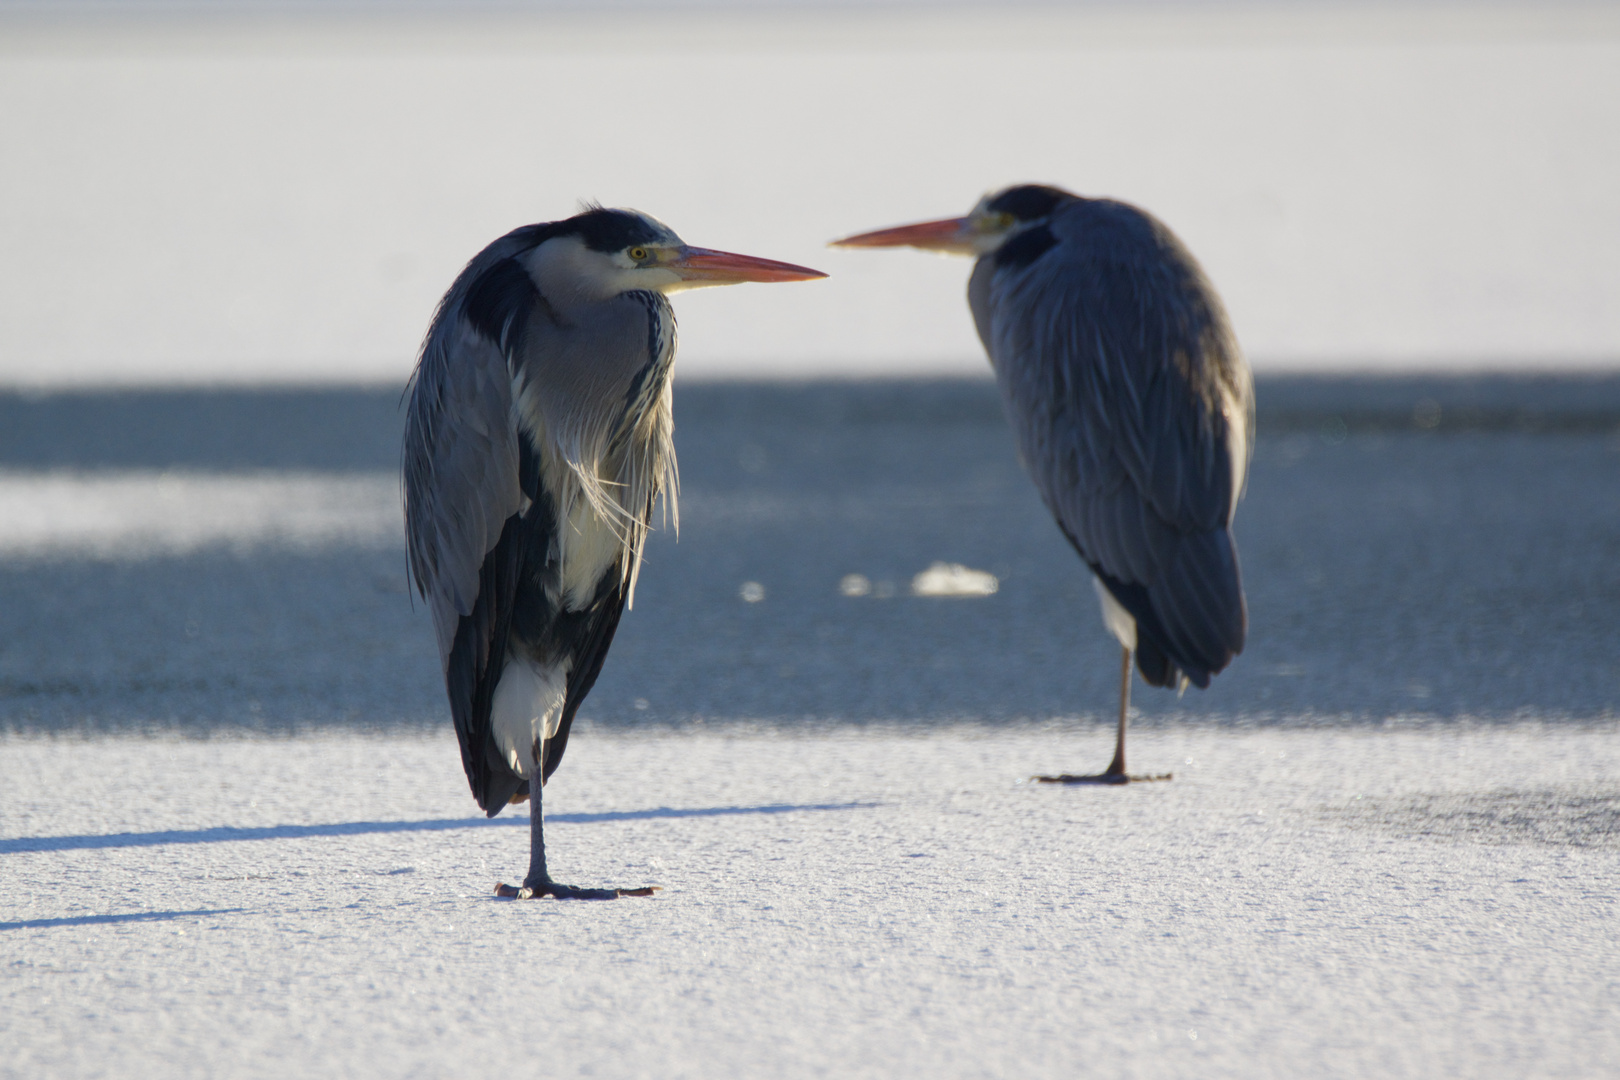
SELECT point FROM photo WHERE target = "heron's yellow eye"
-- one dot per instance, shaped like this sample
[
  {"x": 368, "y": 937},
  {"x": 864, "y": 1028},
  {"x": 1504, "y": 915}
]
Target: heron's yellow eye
[
  {"x": 637, "y": 254},
  {"x": 1005, "y": 221}
]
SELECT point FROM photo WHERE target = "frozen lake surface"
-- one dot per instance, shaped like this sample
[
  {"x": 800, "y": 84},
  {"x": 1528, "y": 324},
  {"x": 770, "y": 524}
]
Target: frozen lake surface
[
  {"x": 869, "y": 902},
  {"x": 1439, "y": 547},
  {"x": 235, "y": 838}
]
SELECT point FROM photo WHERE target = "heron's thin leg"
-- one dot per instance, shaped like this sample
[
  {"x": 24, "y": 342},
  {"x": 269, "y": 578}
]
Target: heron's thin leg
[
  {"x": 537, "y": 877},
  {"x": 1115, "y": 773},
  {"x": 1117, "y": 766},
  {"x": 538, "y": 882}
]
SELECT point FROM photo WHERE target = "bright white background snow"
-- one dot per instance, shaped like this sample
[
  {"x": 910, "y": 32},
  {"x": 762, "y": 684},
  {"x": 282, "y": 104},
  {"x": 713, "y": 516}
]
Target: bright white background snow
[
  {"x": 286, "y": 197},
  {"x": 856, "y": 903}
]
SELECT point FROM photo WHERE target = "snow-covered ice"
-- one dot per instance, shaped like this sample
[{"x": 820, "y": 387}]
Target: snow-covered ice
[{"x": 846, "y": 902}]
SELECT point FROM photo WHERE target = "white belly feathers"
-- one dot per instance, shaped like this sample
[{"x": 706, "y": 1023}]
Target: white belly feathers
[
  {"x": 587, "y": 547},
  {"x": 1120, "y": 623},
  {"x": 527, "y": 710},
  {"x": 529, "y": 698},
  {"x": 590, "y": 392}
]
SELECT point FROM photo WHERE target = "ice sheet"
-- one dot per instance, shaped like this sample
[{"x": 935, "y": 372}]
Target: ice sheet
[{"x": 861, "y": 903}]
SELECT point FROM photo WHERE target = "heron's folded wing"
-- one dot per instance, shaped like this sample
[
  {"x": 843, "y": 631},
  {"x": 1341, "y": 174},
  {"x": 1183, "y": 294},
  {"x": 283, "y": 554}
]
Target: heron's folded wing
[
  {"x": 463, "y": 500},
  {"x": 1132, "y": 407},
  {"x": 461, "y": 469}
]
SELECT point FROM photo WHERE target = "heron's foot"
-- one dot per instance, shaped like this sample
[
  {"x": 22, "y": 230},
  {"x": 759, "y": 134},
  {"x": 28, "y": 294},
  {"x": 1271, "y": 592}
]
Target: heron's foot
[
  {"x": 1101, "y": 778},
  {"x": 546, "y": 887}
]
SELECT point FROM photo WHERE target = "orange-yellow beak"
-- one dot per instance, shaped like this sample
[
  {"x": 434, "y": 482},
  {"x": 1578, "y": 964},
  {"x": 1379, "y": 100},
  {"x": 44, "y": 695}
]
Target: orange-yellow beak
[
  {"x": 723, "y": 268},
  {"x": 953, "y": 236}
]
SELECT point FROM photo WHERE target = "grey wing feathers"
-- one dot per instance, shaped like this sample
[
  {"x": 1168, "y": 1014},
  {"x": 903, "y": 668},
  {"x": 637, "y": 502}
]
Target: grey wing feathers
[
  {"x": 1133, "y": 409},
  {"x": 461, "y": 468},
  {"x": 462, "y": 497}
]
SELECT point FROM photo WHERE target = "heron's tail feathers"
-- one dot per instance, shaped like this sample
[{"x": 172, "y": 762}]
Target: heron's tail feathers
[
  {"x": 1158, "y": 670},
  {"x": 1192, "y": 619},
  {"x": 1201, "y": 614}
]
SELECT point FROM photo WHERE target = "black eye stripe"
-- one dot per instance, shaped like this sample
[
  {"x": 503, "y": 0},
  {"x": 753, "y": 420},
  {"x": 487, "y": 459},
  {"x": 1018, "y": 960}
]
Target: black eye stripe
[
  {"x": 609, "y": 230},
  {"x": 1029, "y": 202}
]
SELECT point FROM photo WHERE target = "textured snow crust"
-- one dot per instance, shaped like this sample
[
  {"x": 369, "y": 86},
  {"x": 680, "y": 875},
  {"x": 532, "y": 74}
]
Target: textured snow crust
[{"x": 852, "y": 902}]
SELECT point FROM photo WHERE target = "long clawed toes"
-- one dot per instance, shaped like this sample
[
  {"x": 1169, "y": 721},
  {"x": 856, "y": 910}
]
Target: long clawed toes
[
  {"x": 568, "y": 892},
  {"x": 1100, "y": 778}
]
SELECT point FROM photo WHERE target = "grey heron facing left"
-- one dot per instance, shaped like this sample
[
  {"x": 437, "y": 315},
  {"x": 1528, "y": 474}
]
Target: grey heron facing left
[
  {"x": 538, "y": 438},
  {"x": 1133, "y": 408}
]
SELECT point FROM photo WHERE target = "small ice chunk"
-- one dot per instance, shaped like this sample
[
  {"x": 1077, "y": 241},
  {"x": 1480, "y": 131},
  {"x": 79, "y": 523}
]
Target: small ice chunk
[
  {"x": 752, "y": 592},
  {"x": 953, "y": 579},
  {"x": 855, "y": 585}
]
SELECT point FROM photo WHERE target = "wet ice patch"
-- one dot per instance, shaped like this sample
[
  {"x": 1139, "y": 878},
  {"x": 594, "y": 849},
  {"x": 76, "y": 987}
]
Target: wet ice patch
[
  {"x": 147, "y": 513},
  {"x": 953, "y": 579}
]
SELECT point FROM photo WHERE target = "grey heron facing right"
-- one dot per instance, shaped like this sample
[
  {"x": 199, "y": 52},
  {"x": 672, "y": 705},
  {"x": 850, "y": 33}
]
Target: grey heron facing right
[
  {"x": 1133, "y": 409},
  {"x": 538, "y": 438}
]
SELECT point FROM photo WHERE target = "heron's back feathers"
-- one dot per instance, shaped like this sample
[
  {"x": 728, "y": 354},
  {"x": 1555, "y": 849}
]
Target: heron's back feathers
[{"x": 1134, "y": 414}]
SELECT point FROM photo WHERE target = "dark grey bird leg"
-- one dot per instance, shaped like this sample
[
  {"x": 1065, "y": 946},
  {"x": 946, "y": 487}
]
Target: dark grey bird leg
[
  {"x": 1117, "y": 766},
  {"x": 538, "y": 882},
  {"x": 1115, "y": 773}
]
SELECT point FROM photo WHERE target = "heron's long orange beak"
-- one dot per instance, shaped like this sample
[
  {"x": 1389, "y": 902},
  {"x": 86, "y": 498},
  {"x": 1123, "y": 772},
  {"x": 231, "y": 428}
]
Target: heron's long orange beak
[
  {"x": 723, "y": 268},
  {"x": 953, "y": 236}
]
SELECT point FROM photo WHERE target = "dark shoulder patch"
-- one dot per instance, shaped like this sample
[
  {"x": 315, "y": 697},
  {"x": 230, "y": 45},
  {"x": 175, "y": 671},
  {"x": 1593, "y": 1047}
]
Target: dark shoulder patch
[
  {"x": 528, "y": 467},
  {"x": 1025, "y": 248},
  {"x": 609, "y": 230},
  {"x": 1030, "y": 202},
  {"x": 499, "y": 303}
]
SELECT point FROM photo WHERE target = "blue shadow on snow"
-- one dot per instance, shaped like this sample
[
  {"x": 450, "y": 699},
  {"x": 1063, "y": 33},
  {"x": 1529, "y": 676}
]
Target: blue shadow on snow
[
  {"x": 138, "y": 916},
  {"x": 226, "y": 834}
]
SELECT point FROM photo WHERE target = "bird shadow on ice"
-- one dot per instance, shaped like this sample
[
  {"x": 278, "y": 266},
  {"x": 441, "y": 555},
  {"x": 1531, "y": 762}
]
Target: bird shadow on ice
[
  {"x": 706, "y": 811},
  {"x": 226, "y": 834},
  {"x": 95, "y": 920}
]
